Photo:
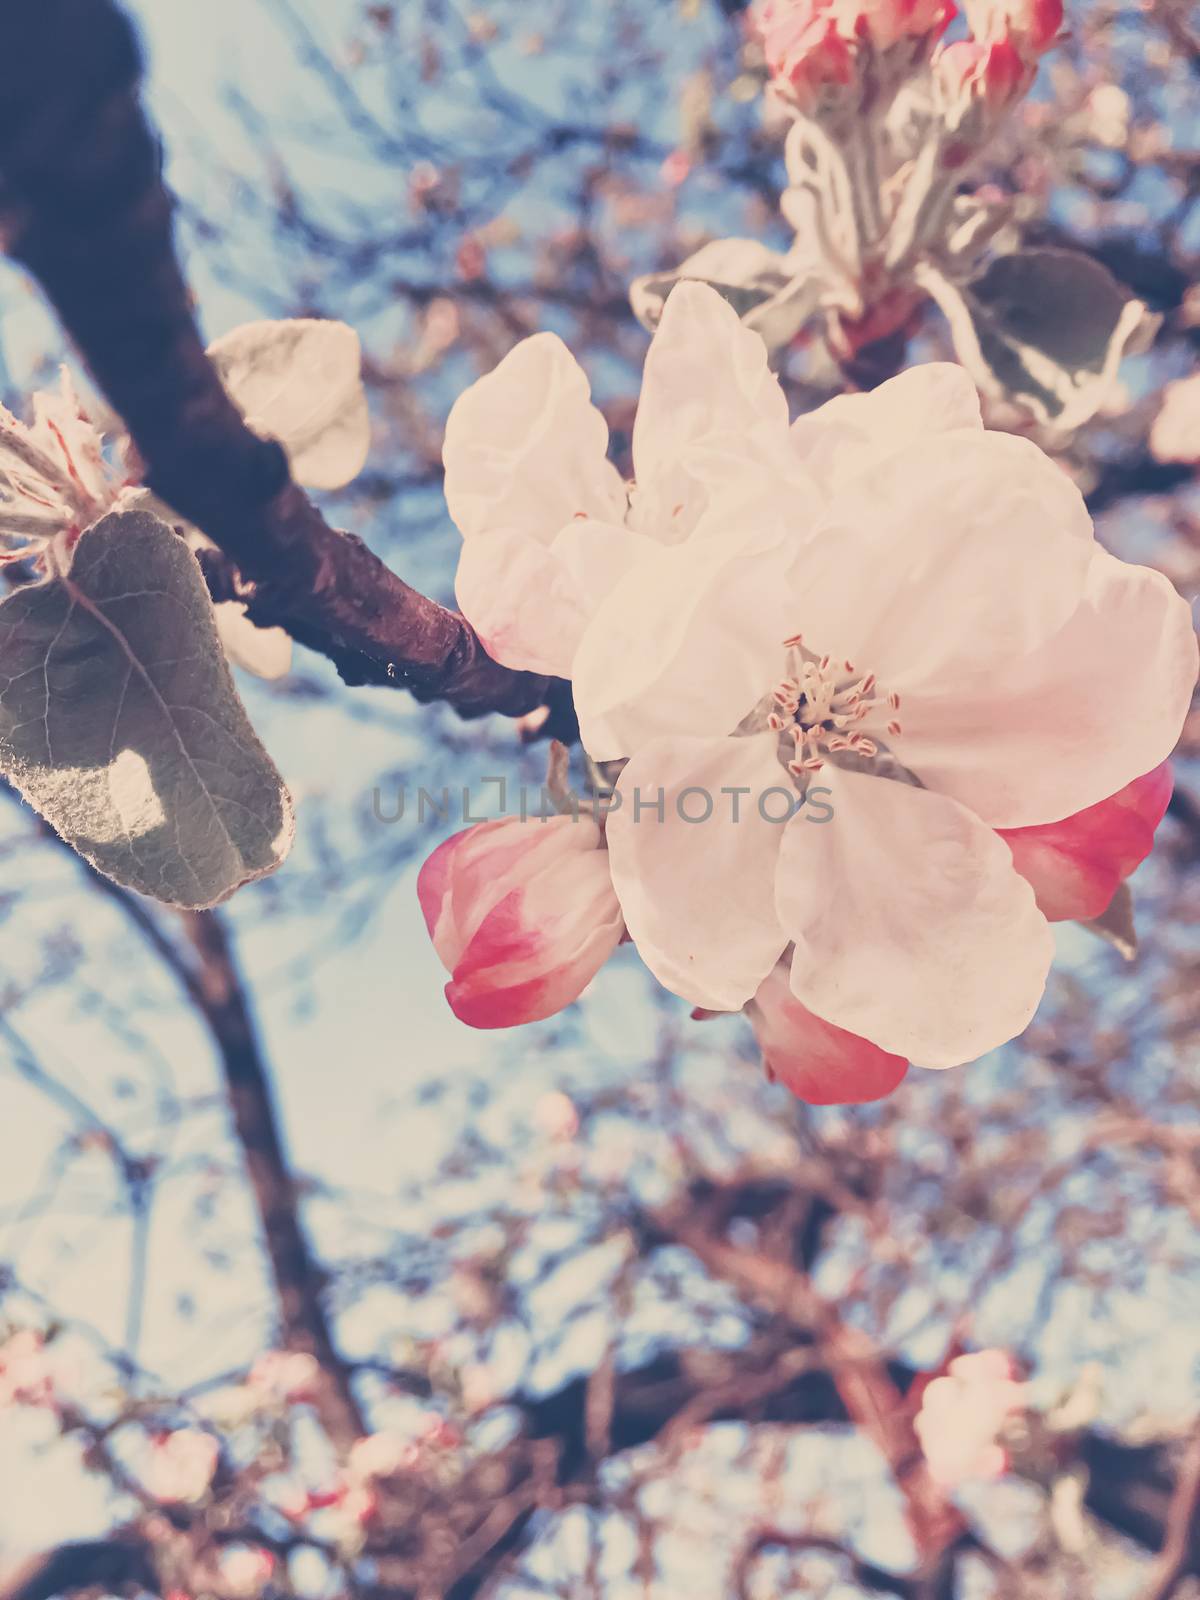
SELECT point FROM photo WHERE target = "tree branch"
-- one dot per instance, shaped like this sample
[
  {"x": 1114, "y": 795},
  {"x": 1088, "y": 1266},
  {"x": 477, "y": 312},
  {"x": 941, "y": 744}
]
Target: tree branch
[
  {"x": 107, "y": 1564},
  {"x": 85, "y": 209},
  {"x": 213, "y": 984},
  {"x": 223, "y": 1003}
]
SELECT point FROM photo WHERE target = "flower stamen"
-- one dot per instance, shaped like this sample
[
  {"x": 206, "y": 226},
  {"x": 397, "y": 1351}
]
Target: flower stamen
[{"x": 822, "y": 710}]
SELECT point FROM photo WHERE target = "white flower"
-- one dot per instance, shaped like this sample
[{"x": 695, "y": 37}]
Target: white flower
[
  {"x": 180, "y": 1466},
  {"x": 894, "y": 606},
  {"x": 548, "y": 526},
  {"x": 284, "y": 1377},
  {"x": 28, "y": 1370},
  {"x": 245, "y": 1570},
  {"x": 381, "y": 1455},
  {"x": 963, "y": 1415}
]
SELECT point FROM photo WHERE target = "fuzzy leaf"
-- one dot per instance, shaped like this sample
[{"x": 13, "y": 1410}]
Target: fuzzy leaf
[
  {"x": 1046, "y": 328},
  {"x": 760, "y": 285},
  {"x": 119, "y": 721},
  {"x": 300, "y": 381}
]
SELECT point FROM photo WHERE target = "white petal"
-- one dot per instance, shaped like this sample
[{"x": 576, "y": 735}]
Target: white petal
[
  {"x": 525, "y": 447},
  {"x": 911, "y": 926},
  {"x": 843, "y": 440},
  {"x": 965, "y": 552},
  {"x": 709, "y": 403},
  {"x": 529, "y": 602},
  {"x": 698, "y": 897},
  {"x": 688, "y": 641},
  {"x": 300, "y": 381},
  {"x": 1098, "y": 705},
  {"x": 266, "y": 652}
]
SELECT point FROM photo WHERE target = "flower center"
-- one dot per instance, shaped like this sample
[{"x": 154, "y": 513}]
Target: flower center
[{"x": 823, "y": 708}]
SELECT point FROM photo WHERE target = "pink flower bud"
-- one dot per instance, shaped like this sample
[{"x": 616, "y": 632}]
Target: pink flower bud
[
  {"x": 809, "y": 44},
  {"x": 523, "y": 915},
  {"x": 971, "y": 73},
  {"x": 817, "y": 1061},
  {"x": 886, "y": 22},
  {"x": 1030, "y": 26},
  {"x": 803, "y": 46},
  {"x": 1076, "y": 865}
]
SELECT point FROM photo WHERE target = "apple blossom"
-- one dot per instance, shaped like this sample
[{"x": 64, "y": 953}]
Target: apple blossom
[
  {"x": 548, "y": 526},
  {"x": 27, "y": 1371},
  {"x": 245, "y": 1570},
  {"x": 180, "y": 1465},
  {"x": 941, "y": 639},
  {"x": 522, "y": 914},
  {"x": 1076, "y": 865},
  {"x": 284, "y": 1377},
  {"x": 963, "y": 1414}
]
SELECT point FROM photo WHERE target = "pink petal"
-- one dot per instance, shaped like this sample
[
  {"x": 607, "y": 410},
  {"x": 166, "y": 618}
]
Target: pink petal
[
  {"x": 820, "y": 1063},
  {"x": 1075, "y": 865}
]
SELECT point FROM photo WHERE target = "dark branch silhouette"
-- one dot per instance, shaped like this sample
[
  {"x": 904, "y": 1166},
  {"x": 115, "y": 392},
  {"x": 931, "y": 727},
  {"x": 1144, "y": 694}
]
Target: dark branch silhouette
[{"x": 85, "y": 209}]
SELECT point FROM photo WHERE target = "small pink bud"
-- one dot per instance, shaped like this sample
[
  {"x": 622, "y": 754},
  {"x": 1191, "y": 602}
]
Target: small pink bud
[
  {"x": 1030, "y": 26},
  {"x": 803, "y": 46},
  {"x": 675, "y": 168},
  {"x": 886, "y": 22},
  {"x": 991, "y": 75},
  {"x": 523, "y": 915}
]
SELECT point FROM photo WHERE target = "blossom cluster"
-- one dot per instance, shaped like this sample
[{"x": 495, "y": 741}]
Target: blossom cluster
[
  {"x": 827, "y": 55},
  {"x": 882, "y": 598}
]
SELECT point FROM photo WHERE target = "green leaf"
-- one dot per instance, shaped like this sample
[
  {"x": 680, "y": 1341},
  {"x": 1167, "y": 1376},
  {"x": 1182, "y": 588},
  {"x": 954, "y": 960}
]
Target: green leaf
[
  {"x": 1046, "y": 328},
  {"x": 119, "y": 721},
  {"x": 760, "y": 284},
  {"x": 1115, "y": 923}
]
